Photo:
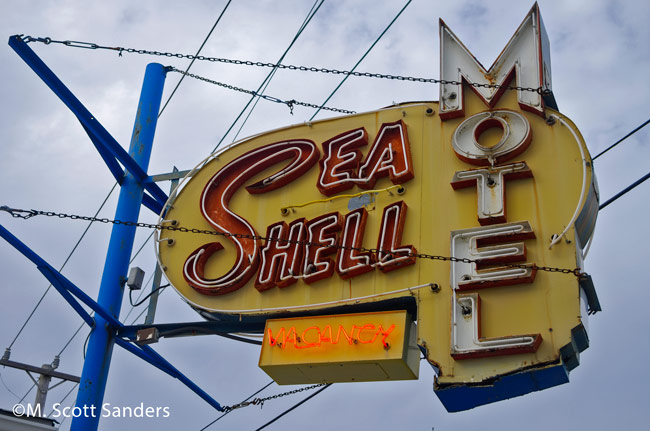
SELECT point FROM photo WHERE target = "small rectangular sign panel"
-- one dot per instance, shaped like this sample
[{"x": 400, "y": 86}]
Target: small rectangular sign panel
[{"x": 341, "y": 348}]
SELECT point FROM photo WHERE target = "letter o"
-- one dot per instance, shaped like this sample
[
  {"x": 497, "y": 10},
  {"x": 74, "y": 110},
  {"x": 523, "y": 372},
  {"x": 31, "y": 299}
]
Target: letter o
[{"x": 516, "y": 137}]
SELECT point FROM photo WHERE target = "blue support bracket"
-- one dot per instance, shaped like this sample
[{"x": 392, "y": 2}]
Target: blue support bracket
[
  {"x": 152, "y": 204},
  {"x": 152, "y": 357},
  {"x": 64, "y": 286},
  {"x": 69, "y": 290},
  {"x": 135, "y": 184},
  {"x": 109, "y": 149},
  {"x": 61, "y": 288}
]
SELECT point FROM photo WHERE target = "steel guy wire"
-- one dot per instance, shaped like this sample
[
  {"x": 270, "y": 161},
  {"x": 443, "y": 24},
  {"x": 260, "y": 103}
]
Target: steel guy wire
[
  {"x": 194, "y": 59},
  {"x": 74, "y": 335},
  {"x": 115, "y": 184},
  {"x": 310, "y": 15},
  {"x": 65, "y": 397},
  {"x": 290, "y": 103},
  {"x": 360, "y": 60},
  {"x": 139, "y": 315},
  {"x": 27, "y": 214},
  {"x": 250, "y": 112},
  {"x": 295, "y": 406},
  {"x": 120, "y": 50},
  {"x": 228, "y": 411},
  {"x": 101, "y": 207},
  {"x": 260, "y": 401},
  {"x": 27, "y": 393},
  {"x": 625, "y": 191},
  {"x": 147, "y": 282},
  {"x": 63, "y": 266},
  {"x": 272, "y": 74},
  {"x": 7, "y": 387},
  {"x": 621, "y": 140}
]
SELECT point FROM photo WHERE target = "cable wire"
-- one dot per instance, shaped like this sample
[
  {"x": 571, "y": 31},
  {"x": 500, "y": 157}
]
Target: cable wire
[
  {"x": 7, "y": 388},
  {"x": 90, "y": 45},
  {"x": 64, "y": 398},
  {"x": 27, "y": 393},
  {"x": 137, "y": 304},
  {"x": 146, "y": 283},
  {"x": 251, "y": 396},
  {"x": 390, "y": 255},
  {"x": 361, "y": 59},
  {"x": 111, "y": 191},
  {"x": 272, "y": 74},
  {"x": 625, "y": 190},
  {"x": 311, "y": 14},
  {"x": 295, "y": 406},
  {"x": 97, "y": 213},
  {"x": 63, "y": 266},
  {"x": 138, "y": 298},
  {"x": 621, "y": 140},
  {"x": 194, "y": 59}
]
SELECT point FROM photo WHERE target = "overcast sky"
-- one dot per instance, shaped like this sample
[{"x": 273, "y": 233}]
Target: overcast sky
[{"x": 600, "y": 69}]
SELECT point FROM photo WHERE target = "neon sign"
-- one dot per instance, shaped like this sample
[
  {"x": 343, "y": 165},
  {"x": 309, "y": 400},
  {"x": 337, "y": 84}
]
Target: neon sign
[
  {"x": 389, "y": 156},
  {"x": 314, "y": 337},
  {"x": 475, "y": 194},
  {"x": 348, "y": 347}
]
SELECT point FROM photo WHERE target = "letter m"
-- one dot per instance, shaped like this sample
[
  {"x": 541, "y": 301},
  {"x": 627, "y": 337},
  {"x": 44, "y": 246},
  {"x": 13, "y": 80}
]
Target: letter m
[{"x": 526, "y": 58}]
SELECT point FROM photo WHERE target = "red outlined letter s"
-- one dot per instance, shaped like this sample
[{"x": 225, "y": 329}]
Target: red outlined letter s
[{"x": 301, "y": 154}]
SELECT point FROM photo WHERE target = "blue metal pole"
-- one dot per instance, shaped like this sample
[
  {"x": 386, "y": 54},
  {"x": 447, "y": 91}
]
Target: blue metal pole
[{"x": 100, "y": 345}]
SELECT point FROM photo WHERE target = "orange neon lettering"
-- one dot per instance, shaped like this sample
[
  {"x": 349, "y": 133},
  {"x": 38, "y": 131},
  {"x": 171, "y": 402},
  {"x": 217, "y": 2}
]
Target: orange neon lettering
[
  {"x": 291, "y": 338},
  {"x": 366, "y": 327},
  {"x": 321, "y": 335},
  {"x": 385, "y": 333},
  {"x": 274, "y": 341},
  {"x": 350, "y": 337},
  {"x": 304, "y": 339},
  {"x": 313, "y": 336}
]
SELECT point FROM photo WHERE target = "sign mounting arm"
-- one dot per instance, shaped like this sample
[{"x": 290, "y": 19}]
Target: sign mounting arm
[{"x": 110, "y": 150}]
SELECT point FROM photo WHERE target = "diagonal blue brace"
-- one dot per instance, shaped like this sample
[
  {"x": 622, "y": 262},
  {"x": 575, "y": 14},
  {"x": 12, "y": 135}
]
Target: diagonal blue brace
[
  {"x": 64, "y": 286},
  {"x": 109, "y": 149},
  {"x": 69, "y": 290},
  {"x": 133, "y": 184},
  {"x": 151, "y": 356}
]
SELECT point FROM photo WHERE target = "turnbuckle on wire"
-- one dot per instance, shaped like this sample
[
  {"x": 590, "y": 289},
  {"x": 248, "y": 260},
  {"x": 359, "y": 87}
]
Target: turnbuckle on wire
[
  {"x": 89, "y": 45},
  {"x": 19, "y": 213}
]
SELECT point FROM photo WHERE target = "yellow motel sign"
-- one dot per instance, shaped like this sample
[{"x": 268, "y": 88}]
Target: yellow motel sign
[{"x": 445, "y": 221}]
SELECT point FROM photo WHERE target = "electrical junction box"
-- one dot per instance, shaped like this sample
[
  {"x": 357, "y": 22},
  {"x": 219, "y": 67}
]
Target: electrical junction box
[{"x": 341, "y": 348}]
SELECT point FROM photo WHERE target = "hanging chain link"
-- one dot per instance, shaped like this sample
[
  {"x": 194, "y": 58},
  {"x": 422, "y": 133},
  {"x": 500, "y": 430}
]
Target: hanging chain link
[
  {"x": 289, "y": 103},
  {"x": 260, "y": 401},
  {"x": 26, "y": 214},
  {"x": 88, "y": 45}
]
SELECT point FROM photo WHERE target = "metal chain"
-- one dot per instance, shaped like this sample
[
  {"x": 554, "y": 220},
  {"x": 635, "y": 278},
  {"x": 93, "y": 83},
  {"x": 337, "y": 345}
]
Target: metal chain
[
  {"x": 260, "y": 401},
  {"x": 26, "y": 214},
  {"x": 88, "y": 45},
  {"x": 289, "y": 103}
]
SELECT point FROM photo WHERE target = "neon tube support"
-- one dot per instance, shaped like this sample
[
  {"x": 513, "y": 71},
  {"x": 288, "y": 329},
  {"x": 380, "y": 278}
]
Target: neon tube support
[{"x": 111, "y": 290}]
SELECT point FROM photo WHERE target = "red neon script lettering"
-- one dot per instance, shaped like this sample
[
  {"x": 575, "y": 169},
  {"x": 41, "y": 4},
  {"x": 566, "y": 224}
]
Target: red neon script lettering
[{"x": 302, "y": 154}]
